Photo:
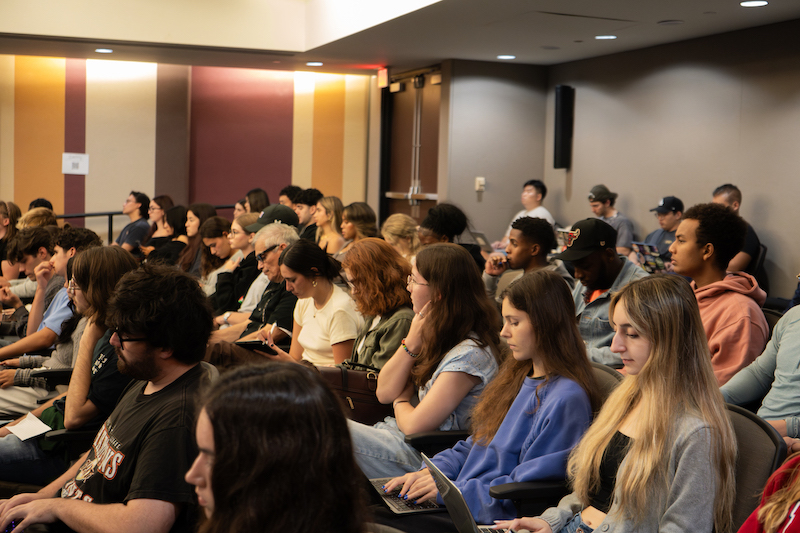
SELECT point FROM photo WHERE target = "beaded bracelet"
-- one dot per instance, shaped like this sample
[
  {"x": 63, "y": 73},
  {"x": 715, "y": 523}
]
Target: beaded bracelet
[{"x": 409, "y": 352}]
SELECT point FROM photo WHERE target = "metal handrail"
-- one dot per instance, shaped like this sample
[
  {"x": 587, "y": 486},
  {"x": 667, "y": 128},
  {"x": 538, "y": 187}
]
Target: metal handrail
[{"x": 112, "y": 214}]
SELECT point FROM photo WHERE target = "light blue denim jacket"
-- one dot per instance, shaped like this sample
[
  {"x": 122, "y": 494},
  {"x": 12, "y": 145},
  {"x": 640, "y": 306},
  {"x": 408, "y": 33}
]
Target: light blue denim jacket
[{"x": 593, "y": 317}]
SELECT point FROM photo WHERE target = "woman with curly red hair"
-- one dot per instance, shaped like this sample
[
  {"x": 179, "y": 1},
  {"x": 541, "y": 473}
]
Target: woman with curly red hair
[{"x": 377, "y": 276}]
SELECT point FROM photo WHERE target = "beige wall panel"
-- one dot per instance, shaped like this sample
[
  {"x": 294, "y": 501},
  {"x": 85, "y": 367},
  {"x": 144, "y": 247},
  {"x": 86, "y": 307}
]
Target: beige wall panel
[
  {"x": 270, "y": 25},
  {"x": 120, "y": 135},
  {"x": 6, "y": 127},
  {"x": 356, "y": 111},
  {"x": 303, "y": 129}
]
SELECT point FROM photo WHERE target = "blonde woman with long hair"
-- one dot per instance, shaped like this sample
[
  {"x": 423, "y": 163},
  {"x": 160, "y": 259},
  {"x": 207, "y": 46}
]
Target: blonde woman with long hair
[
  {"x": 660, "y": 456},
  {"x": 328, "y": 218},
  {"x": 400, "y": 230}
]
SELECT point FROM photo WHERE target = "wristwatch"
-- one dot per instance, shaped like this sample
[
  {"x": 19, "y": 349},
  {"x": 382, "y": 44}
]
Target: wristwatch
[{"x": 226, "y": 316}]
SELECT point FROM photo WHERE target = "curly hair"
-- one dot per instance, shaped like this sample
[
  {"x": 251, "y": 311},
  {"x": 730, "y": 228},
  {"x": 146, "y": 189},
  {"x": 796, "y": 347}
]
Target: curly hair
[
  {"x": 445, "y": 220},
  {"x": 721, "y": 227},
  {"x": 167, "y": 306},
  {"x": 378, "y": 275}
]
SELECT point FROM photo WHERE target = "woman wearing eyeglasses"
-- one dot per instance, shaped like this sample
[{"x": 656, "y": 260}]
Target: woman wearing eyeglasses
[
  {"x": 95, "y": 384},
  {"x": 448, "y": 356},
  {"x": 237, "y": 274}
]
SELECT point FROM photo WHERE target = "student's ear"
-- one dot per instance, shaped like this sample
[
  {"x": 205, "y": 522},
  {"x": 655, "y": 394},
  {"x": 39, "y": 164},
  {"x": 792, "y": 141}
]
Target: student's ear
[
  {"x": 5, "y": 221},
  {"x": 535, "y": 249},
  {"x": 163, "y": 353},
  {"x": 444, "y": 238},
  {"x": 42, "y": 252},
  {"x": 71, "y": 252},
  {"x": 708, "y": 251},
  {"x": 735, "y": 206}
]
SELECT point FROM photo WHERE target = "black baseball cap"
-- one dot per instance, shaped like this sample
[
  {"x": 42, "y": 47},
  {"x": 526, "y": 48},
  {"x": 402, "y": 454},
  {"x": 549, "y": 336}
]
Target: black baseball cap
[
  {"x": 669, "y": 204},
  {"x": 600, "y": 193},
  {"x": 274, "y": 213},
  {"x": 586, "y": 237}
]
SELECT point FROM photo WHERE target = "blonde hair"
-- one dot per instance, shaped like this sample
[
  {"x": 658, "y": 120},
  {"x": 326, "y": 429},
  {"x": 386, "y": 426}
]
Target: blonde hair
[
  {"x": 38, "y": 216},
  {"x": 333, "y": 208},
  {"x": 774, "y": 510},
  {"x": 401, "y": 226},
  {"x": 675, "y": 381}
]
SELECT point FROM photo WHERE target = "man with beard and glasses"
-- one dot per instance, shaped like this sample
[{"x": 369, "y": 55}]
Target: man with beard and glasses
[
  {"x": 135, "y": 468},
  {"x": 600, "y": 272}
]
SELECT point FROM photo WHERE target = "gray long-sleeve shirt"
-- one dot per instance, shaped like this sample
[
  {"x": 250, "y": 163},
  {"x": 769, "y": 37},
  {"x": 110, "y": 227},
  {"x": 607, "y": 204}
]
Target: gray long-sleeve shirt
[{"x": 776, "y": 373}]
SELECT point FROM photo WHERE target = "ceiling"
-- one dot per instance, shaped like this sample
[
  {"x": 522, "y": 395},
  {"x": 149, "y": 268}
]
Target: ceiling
[{"x": 542, "y": 32}]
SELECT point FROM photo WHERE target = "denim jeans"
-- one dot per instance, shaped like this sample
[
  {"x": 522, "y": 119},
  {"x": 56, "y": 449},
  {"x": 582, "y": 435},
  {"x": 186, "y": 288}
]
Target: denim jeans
[
  {"x": 576, "y": 525},
  {"x": 381, "y": 451},
  {"x": 25, "y": 462}
]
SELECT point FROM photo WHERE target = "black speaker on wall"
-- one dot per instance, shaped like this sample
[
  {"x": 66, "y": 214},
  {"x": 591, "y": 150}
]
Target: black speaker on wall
[{"x": 565, "y": 112}]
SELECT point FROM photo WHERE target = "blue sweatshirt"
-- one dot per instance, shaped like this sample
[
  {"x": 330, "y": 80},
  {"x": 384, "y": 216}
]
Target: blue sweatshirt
[{"x": 526, "y": 447}]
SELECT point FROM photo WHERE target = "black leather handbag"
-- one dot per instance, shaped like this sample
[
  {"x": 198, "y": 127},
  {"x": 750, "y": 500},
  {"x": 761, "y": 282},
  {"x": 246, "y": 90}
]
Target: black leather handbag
[{"x": 355, "y": 385}]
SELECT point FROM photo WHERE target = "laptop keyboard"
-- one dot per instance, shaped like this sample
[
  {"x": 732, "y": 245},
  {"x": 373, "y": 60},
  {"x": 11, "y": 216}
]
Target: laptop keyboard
[{"x": 399, "y": 505}]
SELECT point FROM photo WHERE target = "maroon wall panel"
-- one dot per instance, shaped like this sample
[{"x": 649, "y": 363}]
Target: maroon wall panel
[
  {"x": 75, "y": 135},
  {"x": 241, "y": 133}
]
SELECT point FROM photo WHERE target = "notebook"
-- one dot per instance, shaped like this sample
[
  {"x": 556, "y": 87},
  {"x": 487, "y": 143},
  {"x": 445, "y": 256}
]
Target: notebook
[{"x": 455, "y": 503}]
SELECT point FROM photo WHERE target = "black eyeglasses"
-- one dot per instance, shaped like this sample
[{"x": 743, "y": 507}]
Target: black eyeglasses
[
  {"x": 263, "y": 255},
  {"x": 123, "y": 341}
]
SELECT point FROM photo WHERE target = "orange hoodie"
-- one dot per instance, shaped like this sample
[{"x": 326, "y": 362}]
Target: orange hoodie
[{"x": 735, "y": 325}]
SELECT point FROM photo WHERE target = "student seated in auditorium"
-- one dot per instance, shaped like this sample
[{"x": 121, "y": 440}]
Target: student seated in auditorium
[
  {"x": 443, "y": 223},
  {"x": 256, "y": 200},
  {"x": 745, "y": 260},
  {"x": 95, "y": 384},
  {"x": 602, "y": 201},
  {"x": 288, "y": 195},
  {"x": 132, "y": 479},
  {"x": 668, "y": 212},
  {"x": 274, "y": 311},
  {"x": 661, "y": 454},
  {"x": 29, "y": 248},
  {"x": 35, "y": 218},
  {"x": 530, "y": 240},
  {"x": 133, "y": 235},
  {"x": 533, "y": 193},
  {"x": 19, "y": 391},
  {"x": 600, "y": 273},
  {"x": 529, "y": 417},
  {"x": 236, "y": 276},
  {"x": 32, "y": 248},
  {"x": 175, "y": 226},
  {"x": 773, "y": 376},
  {"x": 305, "y": 205},
  {"x": 272, "y": 214},
  {"x": 708, "y": 237},
  {"x": 299, "y": 476},
  {"x": 777, "y": 512},
  {"x": 451, "y": 352}
]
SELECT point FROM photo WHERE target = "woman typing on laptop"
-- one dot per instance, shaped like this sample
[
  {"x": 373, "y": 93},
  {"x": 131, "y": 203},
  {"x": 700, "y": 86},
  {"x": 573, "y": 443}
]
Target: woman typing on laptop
[
  {"x": 529, "y": 417},
  {"x": 661, "y": 454}
]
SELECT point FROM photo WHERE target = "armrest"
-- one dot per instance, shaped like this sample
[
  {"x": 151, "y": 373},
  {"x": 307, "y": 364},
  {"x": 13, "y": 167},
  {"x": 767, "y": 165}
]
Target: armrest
[
  {"x": 528, "y": 490},
  {"x": 71, "y": 435},
  {"x": 432, "y": 442},
  {"x": 54, "y": 376}
]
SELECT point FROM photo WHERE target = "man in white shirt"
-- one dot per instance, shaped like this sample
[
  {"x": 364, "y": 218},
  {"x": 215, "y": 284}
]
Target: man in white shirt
[{"x": 533, "y": 193}]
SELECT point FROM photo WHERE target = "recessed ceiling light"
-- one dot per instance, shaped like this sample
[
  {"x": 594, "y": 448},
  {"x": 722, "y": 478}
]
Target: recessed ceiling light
[
  {"x": 605, "y": 37},
  {"x": 506, "y": 57},
  {"x": 754, "y": 3},
  {"x": 314, "y": 64},
  {"x": 669, "y": 22},
  {"x": 104, "y": 50}
]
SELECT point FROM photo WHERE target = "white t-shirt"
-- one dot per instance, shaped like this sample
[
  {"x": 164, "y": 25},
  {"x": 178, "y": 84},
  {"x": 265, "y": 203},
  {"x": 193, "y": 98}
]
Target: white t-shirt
[
  {"x": 336, "y": 322},
  {"x": 539, "y": 212}
]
